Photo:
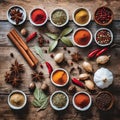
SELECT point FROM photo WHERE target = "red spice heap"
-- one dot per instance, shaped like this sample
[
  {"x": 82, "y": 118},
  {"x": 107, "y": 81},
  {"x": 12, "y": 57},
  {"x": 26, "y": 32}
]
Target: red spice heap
[
  {"x": 82, "y": 37},
  {"x": 82, "y": 100},
  {"x": 38, "y": 16},
  {"x": 103, "y": 15}
]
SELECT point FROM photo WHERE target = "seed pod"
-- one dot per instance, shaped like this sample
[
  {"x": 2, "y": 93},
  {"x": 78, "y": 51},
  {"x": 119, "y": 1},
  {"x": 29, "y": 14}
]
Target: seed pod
[
  {"x": 89, "y": 84},
  {"x": 103, "y": 59},
  {"x": 84, "y": 76},
  {"x": 87, "y": 66}
]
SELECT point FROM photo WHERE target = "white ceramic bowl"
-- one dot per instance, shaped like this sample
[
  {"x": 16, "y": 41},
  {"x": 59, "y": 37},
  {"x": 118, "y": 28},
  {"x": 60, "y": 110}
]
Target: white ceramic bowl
[
  {"x": 74, "y": 13},
  {"x": 110, "y": 34},
  {"x": 22, "y": 10},
  {"x": 14, "y": 107},
  {"x": 85, "y": 108},
  {"x": 32, "y": 22},
  {"x": 56, "y": 108},
  {"x": 82, "y": 46},
  {"x": 67, "y": 15},
  {"x": 59, "y": 85}
]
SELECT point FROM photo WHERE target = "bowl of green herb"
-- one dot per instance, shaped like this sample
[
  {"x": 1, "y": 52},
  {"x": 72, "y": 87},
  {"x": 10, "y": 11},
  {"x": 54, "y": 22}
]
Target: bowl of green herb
[
  {"x": 59, "y": 17},
  {"x": 59, "y": 100}
]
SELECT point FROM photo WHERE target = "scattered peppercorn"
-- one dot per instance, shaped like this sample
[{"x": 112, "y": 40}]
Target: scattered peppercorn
[
  {"x": 69, "y": 51},
  {"x": 45, "y": 51},
  {"x": 12, "y": 55},
  {"x": 65, "y": 48},
  {"x": 52, "y": 56},
  {"x": 41, "y": 66}
]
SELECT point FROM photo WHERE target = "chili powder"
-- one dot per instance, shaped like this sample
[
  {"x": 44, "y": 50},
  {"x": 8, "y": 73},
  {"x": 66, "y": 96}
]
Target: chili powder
[{"x": 38, "y": 16}]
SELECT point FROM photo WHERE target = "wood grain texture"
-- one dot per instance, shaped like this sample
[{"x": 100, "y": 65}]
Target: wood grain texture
[
  {"x": 70, "y": 5},
  {"x": 7, "y": 47}
]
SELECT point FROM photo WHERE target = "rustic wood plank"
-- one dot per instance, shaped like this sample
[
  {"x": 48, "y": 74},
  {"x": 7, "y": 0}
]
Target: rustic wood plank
[
  {"x": 70, "y": 5},
  {"x": 5, "y": 27}
]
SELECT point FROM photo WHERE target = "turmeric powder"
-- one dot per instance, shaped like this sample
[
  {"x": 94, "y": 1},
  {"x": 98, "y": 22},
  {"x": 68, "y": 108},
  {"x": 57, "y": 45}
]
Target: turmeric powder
[
  {"x": 59, "y": 77},
  {"x": 82, "y": 16}
]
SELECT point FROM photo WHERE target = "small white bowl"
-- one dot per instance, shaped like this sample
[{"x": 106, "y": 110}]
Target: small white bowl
[
  {"x": 67, "y": 15},
  {"x": 56, "y": 108},
  {"x": 14, "y": 107},
  {"x": 74, "y": 13},
  {"x": 32, "y": 22},
  {"x": 90, "y": 41},
  {"x": 22, "y": 10},
  {"x": 103, "y": 45},
  {"x": 59, "y": 85},
  {"x": 85, "y": 108}
]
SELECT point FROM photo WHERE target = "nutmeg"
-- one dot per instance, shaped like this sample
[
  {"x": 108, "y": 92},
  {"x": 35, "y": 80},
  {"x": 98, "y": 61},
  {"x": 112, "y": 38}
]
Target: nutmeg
[
  {"x": 71, "y": 89},
  {"x": 44, "y": 87},
  {"x": 23, "y": 32},
  {"x": 32, "y": 87}
]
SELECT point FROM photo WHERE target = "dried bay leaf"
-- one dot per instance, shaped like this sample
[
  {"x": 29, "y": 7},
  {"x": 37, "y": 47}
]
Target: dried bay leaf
[
  {"x": 53, "y": 46},
  {"x": 52, "y": 36},
  {"x": 66, "y": 31},
  {"x": 66, "y": 41}
]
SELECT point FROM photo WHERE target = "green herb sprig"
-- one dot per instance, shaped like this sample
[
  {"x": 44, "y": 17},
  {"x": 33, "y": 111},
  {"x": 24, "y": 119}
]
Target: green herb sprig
[
  {"x": 61, "y": 37},
  {"x": 40, "y": 99}
]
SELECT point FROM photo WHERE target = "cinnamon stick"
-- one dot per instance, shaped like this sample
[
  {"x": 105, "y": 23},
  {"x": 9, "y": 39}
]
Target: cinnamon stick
[
  {"x": 29, "y": 52},
  {"x": 30, "y": 62}
]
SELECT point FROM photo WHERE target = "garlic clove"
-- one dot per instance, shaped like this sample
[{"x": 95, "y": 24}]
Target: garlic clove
[
  {"x": 87, "y": 66},
  {"x": 103, "y": 59},
  {"x": 84, "y": 76},
  {"x": 89, "y": 84},
  {"x": 59, "y": 57}
]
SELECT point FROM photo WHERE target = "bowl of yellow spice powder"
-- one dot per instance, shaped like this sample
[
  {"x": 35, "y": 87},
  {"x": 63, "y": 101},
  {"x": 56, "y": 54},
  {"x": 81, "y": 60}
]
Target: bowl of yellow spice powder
[
  {"x": 81, "y": 16},
  {"x": 59, "y": 77},
  {"x": 59, "y": 100},
  {"x": 17, "y": 99},
  {"x": 59, "y": 17}
]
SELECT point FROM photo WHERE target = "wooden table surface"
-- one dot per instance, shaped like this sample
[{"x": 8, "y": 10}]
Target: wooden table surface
[{"x": 6, "y": 47}]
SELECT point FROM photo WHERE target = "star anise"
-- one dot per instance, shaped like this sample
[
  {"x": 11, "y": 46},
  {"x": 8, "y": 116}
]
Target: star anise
[
  {"x": 37, "y": 76},
  {"x": 16, "y": 81},
  {"x": 41, "y": 40},
  {"x": 16, "y": 15},
  {"x": 16, "y": 68},
  {"x": 8, "y": 77},
  {"x": 76, "y": 57}
]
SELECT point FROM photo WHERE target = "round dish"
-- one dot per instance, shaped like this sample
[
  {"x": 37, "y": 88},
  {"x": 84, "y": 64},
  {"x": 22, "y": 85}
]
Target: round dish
[
  {"x": 17, "y": 92},
  {"x": 22, "y": 15},
  {"x": 84, "y": 108},
  {"x": 82, "y": 16},
  {"x": 58, "y": 108},
  {"x": 103, "y": 16},
  {"x": 59, "y": 85},
  {"x": 44, "y": 19},
  {"x": 86, "y": 44},
  {"x": 105, "y": 43},
  {"x": 104, "y": 101},
  {"x": 60, "y": 24}
]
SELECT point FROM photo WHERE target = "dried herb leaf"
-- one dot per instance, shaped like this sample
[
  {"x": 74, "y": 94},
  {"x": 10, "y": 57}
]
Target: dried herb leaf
[
  {"x": 66, "y": 31},
  {"x": 41, "y": 100},
  {"x": 52, "y": 36},
  {"x": 66, "y": 41},
  {"x": 53, "y": 46},
  {"x": 38, "y": 51}
]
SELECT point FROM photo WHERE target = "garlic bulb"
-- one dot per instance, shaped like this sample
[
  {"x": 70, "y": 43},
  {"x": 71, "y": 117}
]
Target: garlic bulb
[
  {"x": 102, "y": 59},
  {"x": 89, "y": 84},
  {"x": 103, "y": 78},
  {"x": 59, "y": 57},
  {"x": 87, "y": 66},
  {"x": 84, "y": 76}
]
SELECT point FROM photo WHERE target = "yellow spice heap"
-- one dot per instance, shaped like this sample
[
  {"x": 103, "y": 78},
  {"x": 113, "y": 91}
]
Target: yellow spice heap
[{"x": 82, "y": 16}]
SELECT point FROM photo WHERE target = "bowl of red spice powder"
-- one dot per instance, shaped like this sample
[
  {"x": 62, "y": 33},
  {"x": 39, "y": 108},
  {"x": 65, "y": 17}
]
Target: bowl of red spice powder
[
  {"x": 103, "y": 37},
  {"x": 82, "y": 101},
  {"x": 82, "y": 37},
  {"x": 103, "y": 16},
  {"x": 59, "y": 77},
  {"x": 38, "y": 16}
]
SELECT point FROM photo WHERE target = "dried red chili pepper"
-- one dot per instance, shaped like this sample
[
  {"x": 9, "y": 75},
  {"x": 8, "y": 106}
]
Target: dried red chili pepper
[
  {"x": 77, "y": 82},
  {"x": 93, "y": 53},
  {"x": 31, "y": 36},
  {"x": 50, "y": 68},
  {"x": 101, "y": 51}
]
